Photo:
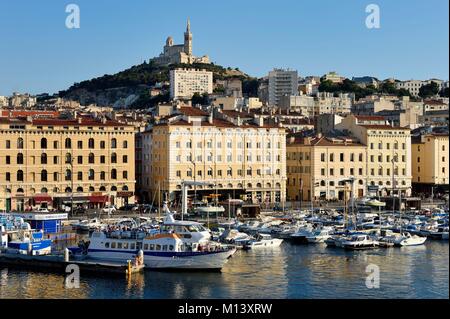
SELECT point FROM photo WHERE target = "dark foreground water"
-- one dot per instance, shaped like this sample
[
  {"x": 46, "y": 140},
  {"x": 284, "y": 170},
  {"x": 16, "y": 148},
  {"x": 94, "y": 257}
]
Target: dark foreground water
[{"x": 313, "y": 271}]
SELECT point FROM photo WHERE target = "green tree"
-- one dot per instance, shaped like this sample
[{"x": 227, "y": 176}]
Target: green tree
[{"x": 429, "y": 90}]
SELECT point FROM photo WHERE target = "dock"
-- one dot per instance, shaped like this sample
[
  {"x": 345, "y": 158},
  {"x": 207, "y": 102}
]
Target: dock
[{"x": 56, "y": 263}]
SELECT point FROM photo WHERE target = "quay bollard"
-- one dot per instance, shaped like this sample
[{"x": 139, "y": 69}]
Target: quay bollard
[
  {"x": 66, "y": 255},
  {"x": 141, "y": 257}
]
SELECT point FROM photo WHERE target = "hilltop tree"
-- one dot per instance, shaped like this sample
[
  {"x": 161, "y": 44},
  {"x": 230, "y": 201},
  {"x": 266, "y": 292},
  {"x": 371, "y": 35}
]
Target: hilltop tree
[{"x": 429, "y": 90}]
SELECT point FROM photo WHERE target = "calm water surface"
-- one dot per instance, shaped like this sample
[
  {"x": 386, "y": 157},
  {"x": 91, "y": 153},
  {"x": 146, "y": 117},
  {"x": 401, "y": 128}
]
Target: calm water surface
[{"x": 289, "y": 271}]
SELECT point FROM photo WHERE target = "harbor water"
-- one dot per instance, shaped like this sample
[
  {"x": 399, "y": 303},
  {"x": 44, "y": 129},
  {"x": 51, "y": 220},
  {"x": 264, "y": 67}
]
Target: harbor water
[{"x": 290, "y": 271}]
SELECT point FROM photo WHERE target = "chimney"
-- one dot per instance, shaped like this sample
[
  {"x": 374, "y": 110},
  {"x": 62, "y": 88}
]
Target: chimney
[
  {"x": 79, "y": 120},
  {"x": 307, "y": 141},
  {"x": 210, "y": 118},
  {"x": 291, "y": 140}
]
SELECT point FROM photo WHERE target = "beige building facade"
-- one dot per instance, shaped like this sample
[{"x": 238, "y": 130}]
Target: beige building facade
[
  {"x": 50, "y": 162},
  {"x": 430, "y": 161},
  {"x": 388, "y": 162},
  {"x": 245, "y": 161},
  {"x": 320, "y": 168}
]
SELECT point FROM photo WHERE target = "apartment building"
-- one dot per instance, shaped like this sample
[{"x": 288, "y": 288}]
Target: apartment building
[
  {"x": 430, "y": 162},
  {"x": 239, "y": 160},
  {"x": 388, "y": 162},
  {"x": 282, "y": 82},
  {"x": 184, "y": 83},
  {"x": 320, "y": 168},
  {"x": 49, "y": 162}
]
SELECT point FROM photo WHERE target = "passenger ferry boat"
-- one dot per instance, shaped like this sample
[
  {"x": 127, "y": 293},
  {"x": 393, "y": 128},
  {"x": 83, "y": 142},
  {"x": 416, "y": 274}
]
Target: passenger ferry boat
[{"x": 161, "y": 251}]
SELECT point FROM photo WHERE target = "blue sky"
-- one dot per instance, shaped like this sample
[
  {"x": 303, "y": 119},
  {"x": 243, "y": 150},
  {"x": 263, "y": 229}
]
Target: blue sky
[{"x": 39, "y": 54}]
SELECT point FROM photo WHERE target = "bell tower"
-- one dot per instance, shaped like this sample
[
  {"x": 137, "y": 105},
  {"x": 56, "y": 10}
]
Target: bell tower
[{"x": 188, "y": 39}]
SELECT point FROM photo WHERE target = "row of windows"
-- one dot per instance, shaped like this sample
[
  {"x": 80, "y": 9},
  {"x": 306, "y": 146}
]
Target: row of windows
[
  {"x": 67, "y": 143},
  {"x": 229, "y": 158},
  {"x": 229, "y": 172},
  {"x": 341, "y": 157},
  {"x": 44, "y": 175},
  {"x": 388, "y": 146},
  {"x": 79, "y": 189},
  {"x": 68, "y": 159},
  {"x": 229, "y": 144}
]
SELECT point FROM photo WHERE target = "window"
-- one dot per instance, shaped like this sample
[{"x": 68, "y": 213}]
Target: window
[
  {"x": 332, "y": 157},
  {"x": 80, "y": 176},
  {"x": 322, "y": 157},
  {"x": 91, "y": 175},
  {"x": 55, "y": 176},
  {"x": 125, "y": 159},
  {"x": 8, "y": 144},
  {"x": 20, "y": 158},
  {"x": 341, "y": 157},
  {"x": 114, "y": 158},
  {"x": 55, "y": 145},
  {"x": 80, "y": 144},
  {"x": 8, "y": 159},
  {"x": 352, "y": 157},
  {"x": 68, "y": 143},
  {"x": 80, "y": 159},
  {"x": 125, "y": 144},
  {"x": 43, "y": 175},
  {"x": 322, "y": 171},
  {"x": 68, "y": 175},
  {"x": 102, "y": 145},
  {"x": 342, "y": 171},
  {"x": 114, "y": 143},
  {"x": 114, "y": 174},
  {"x": 361, "y": 157},
  {"x": 43, "y": 158},
  {"x": 20, "y": 176},
  {"x": 43, "y": 143},
  {"x": 68, "y": 158},
  {"x": 91, "y": 158},
  {"x": 20, "y": 143},
  {"x": 8, "y": 176},
  {"x": 55, "y": 159},
  {"x": 102, "y": 159},
  {"x": 91, "y": 143},
  {"x": 102, "y": 176}
]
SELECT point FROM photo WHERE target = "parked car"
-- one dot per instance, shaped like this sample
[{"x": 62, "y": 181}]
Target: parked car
[
  {"x": 129, "y": 207},
  {"x": 42, "y": 210},
  {"x": 109, "y": 209}
]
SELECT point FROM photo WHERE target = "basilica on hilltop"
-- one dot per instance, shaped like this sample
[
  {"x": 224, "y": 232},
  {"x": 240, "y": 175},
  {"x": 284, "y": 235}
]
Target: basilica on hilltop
[{"x": 179, "y": 53}]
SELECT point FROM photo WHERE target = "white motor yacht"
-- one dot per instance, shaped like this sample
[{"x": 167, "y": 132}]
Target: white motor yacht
[
  {"x": 406, "y": 239},
  {"x": 263, "y": 241},
  {"x": 320, "y": 235},
  {"x": 358, "y": 241}
]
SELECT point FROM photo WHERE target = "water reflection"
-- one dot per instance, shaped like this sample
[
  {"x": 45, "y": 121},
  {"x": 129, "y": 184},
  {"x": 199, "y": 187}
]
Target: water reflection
[{"x": 285, "y": 272}]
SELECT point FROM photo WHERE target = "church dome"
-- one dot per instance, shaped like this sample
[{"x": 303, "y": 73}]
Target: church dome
[{"x": 169, "y": 41}]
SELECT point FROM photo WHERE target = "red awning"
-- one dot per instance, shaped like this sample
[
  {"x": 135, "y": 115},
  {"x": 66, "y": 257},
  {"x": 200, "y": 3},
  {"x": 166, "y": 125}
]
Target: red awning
[
  {"x": 42, "y": 199},
  {"x": 99, "y": 198}
]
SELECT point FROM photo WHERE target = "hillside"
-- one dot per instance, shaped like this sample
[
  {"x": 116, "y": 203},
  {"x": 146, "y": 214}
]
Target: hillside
[{"x": 131, "y": 86}]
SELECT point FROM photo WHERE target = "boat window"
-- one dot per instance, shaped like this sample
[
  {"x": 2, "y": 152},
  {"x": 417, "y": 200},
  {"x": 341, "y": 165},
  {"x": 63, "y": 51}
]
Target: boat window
[
  {"x": 145, "y": 246},
  {"x": 170, "y": 247},
  {"x": 164, "y": 247},
  {"x": 119, "y": 245},
  {"x": 152, "y": 247},
  {"x": 106, "y": 245},
  {"x": 158, "y": 247},
  {"x": 192, "y": 229},
  {"x": 125, "y": 245},
  {"x": 113, "y": 244},
  {"x": 132, "y": 246},
  {"x": 187, "y": 236}
]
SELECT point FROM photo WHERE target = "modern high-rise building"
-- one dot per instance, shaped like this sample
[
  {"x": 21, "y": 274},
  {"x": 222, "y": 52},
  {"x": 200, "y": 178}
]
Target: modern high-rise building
[
  {"x": 281, "y": 83},
  {"x": 184, "y": 83}
]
